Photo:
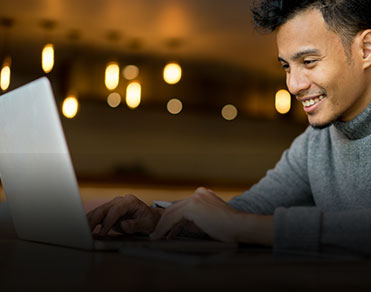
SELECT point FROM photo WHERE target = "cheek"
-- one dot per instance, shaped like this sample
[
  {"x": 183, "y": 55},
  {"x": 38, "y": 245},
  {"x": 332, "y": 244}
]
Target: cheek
[
  {"x": 348, "y": 82},
  {"x": 333, "y": 79}
]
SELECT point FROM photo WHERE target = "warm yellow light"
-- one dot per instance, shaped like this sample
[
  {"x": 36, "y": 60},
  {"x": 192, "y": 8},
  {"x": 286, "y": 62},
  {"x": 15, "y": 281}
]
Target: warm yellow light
[
  {"x": 283, "y": 101},
  {"x": 229, "y": 112},
  {"x": 112, "y": 75},
  {"x": 133, "y": 94},
  {"x": 174, "y": 106},
  {"x": 5, "y": 74},
  {"x": 130, "y": 72},
  {"x": 114, "y": 99},
  {"x": 172, "y": 73},
  {"x": 47, "y": 58},
  {"x": 70, "y": 107}
]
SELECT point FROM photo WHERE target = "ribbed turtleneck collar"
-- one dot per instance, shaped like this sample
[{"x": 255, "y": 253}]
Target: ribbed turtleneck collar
[{"x": 357, "y": 128}]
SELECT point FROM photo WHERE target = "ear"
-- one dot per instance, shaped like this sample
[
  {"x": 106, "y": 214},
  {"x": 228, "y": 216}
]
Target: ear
[{"x": 365, "y": 38}]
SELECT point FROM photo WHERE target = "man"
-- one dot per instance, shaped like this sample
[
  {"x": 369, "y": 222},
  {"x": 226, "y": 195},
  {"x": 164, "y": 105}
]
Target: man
[{"x": 319, "y": 193}]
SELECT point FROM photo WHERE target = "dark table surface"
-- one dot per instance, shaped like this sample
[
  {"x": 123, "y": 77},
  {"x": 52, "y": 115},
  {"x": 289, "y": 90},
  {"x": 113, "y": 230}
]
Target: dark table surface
[{"x": 30, "y": 266}]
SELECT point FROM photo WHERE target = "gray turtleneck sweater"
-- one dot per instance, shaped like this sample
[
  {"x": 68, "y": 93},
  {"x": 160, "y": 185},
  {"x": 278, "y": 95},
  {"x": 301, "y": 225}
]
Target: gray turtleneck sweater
[{"x": 320, "y": 190}]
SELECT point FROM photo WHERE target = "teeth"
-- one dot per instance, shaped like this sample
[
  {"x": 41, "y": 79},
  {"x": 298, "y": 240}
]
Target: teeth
[{"x": 310, "y": 102}]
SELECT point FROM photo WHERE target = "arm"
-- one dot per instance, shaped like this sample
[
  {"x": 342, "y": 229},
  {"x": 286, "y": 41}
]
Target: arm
[
  {"x": 308, "y": 228},
  {"x": 294, "y": 228},
  {"x": 213, "y": 216},
  {"x": 203, "y": 212},
  {"x": 284, "y": 186},
  {"x": 251, "y": 217}
]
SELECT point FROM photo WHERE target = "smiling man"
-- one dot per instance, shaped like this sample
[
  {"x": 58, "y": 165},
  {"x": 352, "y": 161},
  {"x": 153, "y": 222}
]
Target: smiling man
[
  {"x": 319, "y": 193},
  {"x": 324, "y": 72}
]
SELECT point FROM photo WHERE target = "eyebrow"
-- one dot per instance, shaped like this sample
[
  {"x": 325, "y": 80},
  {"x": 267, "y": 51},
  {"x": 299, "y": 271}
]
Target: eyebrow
[{"x": 301, "y": 54}]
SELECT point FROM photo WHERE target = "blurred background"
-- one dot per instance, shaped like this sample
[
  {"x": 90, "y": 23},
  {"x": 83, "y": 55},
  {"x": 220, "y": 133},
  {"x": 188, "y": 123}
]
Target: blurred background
[{"x": 173, "y": 92}]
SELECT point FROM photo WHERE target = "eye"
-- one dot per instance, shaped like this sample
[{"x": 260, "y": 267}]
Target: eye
[
  {"x": 309, "y": 62},
  {"x": 285, "y": 66}
]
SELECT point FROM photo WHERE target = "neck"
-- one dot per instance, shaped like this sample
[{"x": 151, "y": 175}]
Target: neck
[{"x": 358, "y": 127}]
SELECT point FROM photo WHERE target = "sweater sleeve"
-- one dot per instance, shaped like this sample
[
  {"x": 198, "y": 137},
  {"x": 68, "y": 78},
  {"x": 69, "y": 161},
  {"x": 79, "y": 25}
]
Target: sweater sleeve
[
  {"x": 309, "y": 229},
  {"x": 284, "y": 186},
  {"x": 299, "y": 225}
]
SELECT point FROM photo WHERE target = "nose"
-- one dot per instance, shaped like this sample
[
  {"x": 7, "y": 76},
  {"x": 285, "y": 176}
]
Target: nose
[{"x": 297, "y": 82}]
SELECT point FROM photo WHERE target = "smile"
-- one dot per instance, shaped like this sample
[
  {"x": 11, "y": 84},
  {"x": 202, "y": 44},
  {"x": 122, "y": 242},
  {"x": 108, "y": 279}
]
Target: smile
[{"x": 312, "y": 101}]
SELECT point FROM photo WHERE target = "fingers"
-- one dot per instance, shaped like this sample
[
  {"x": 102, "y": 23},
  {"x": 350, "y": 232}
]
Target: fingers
[
  {"x": 139, "y": 218},
  {"x": 96, "y": 216},
  {"x": 109, "y": 213},
  {"x": 131, "y": 226},
  {"x": 171, "y": 221},
  {"x": 207, "y": 195},
  {"x": 113, "y": 215},
  {"x": 176, "y": 229},
  {"x": 168, "y": 221},
  {"x": 142, "y": 224},
  {"x": 191, "y": 228}
]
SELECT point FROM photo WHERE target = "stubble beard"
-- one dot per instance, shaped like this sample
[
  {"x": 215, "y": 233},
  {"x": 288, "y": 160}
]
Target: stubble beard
[{"x": 326, "y": 124}]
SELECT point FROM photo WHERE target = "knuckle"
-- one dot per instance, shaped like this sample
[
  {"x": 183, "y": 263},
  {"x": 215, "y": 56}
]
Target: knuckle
[
  {"x": 201, "y": 190},
  {"x": 117, "y": 199},
  {"x": 130, "y": 197},
  {"x": 199, "y": 194},
  {"x": 195, "y": 199}
]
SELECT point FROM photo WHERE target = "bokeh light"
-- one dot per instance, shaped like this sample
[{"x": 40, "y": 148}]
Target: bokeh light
[
  {"x": 5, "y": 74},
  {"x": 229, "y": 112},
  {"x": 133, "y": 95},
  {"x": 174, "y": 106},
  {"x": 112, "y": 75},
  {"x": 70, "y": 107},
  {"x": 283, "y": 101},
  {"x": 172, "y": 73},
  {"x": 47, "y": 58},
  {"x": 114, "y": 99},
  {"x": 130, "y": 72}
]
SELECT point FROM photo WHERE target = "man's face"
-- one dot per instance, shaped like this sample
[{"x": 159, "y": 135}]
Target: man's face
[{"x": 329, "y": 84}]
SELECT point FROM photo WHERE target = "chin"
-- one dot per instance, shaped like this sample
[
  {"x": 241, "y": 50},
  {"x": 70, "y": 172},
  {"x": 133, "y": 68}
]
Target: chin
[
  {"x": 324, "y": 118},
  {"x": 317, "y": 124},
  {"x": 321, "y": 126}
]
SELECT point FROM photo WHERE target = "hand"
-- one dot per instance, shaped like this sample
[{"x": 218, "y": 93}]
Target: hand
[
  {"x": 128, "y": 213},
  {"x": 205, "y": 210}
]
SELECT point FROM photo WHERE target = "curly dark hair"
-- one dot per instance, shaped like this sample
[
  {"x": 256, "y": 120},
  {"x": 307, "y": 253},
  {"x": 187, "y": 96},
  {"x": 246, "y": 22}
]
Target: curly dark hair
[{"x": 345, "y": 17}]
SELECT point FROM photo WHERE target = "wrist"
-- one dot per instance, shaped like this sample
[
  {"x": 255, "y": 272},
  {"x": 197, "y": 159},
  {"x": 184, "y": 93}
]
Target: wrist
[{"x": 256, "y": 229}]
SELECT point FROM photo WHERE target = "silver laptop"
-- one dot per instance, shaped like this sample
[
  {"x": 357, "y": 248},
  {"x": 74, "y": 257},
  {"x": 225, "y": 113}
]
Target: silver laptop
[
  {"x": 37, "y": 173},
  {"x": 41, "y": 187}
]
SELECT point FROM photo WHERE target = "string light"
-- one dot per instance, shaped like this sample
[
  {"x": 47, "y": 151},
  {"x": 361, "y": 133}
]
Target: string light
[
  {"x": 47, "y": 58},
  {"x": 283, "y": 101},
  {"x": 5, "y": 74},
  {"x": 112, "y": 75},
  {"x": 70, "y": 106},
  {"x": 133, "y": 94},
  {"x": 172, "y": 73},
  {"x": 5, "y": 71}
]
